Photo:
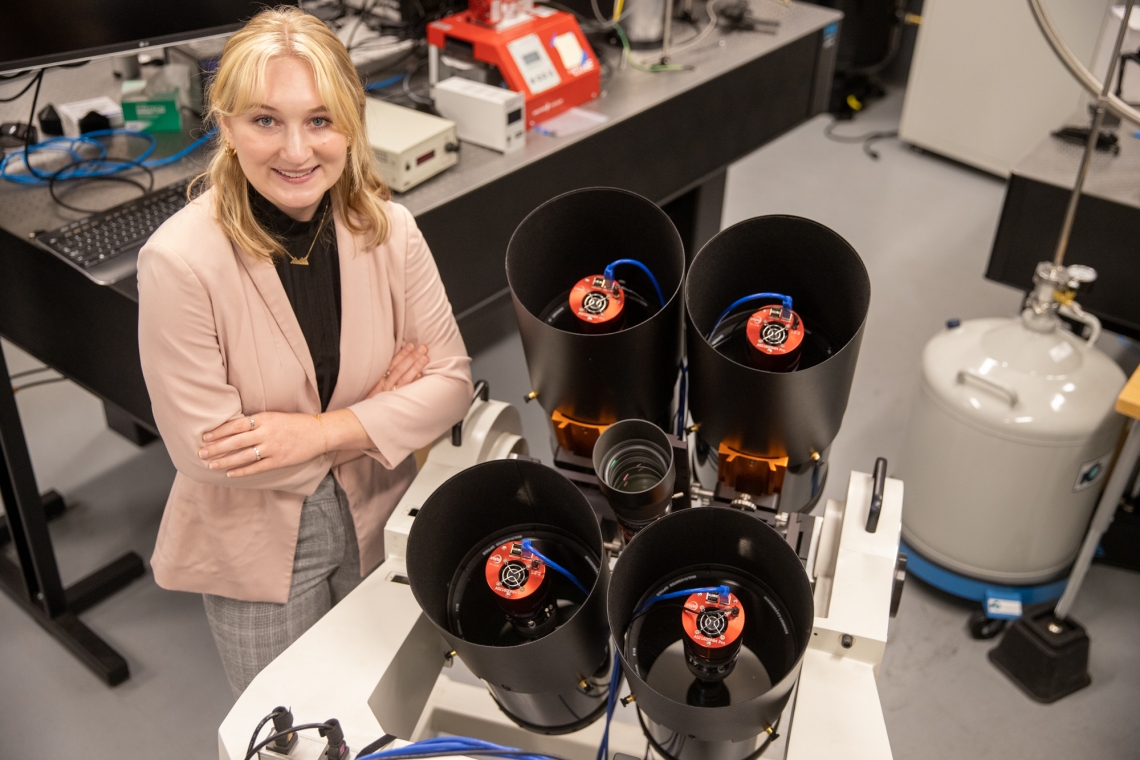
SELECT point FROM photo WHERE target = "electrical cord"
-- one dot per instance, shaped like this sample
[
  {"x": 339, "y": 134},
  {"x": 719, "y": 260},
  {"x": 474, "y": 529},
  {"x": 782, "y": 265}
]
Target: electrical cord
[
  {"x": 609, "y": 275},
  {"x": 385, "y": 83},
  {"x": 256, "y": 731},
  {"x": 25, "y": 373},
  {"x": 446, "y": 746},
  {"x": 143, "y": 190},
  {"x": 20, "y": 94},
  {"x": 414, "y": 97},
  {"x": 274, "y": 737},
  {"x": 611, "y": 702},
  {"x": 527, "y": 546},
  {"x": 365, "y": 10},
  {"x": 681, "y": 397},
  {"x": 722, "y": 590},
  {"x": 100, "y": 167},
  {"x": 377, "y": 745},
  {"x": 785, "y": 300},
  {"x": 25, "y": 386},
  {"x": 627, "y": 55},
  {"x": 868, "y": 139}
]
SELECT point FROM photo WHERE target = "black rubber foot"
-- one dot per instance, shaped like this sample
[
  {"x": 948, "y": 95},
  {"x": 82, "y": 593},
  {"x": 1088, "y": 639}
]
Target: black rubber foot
[{"x": 1046, "y": 657}]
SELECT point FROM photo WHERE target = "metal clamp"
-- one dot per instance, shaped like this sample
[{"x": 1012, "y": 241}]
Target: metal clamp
[
  {"x": 482, "y": 391},
  {"x": 878, "y": 483},
  {"x": 987, "y": 383}
]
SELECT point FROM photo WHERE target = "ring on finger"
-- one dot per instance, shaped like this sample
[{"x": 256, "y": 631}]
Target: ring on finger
[
  {"x": 252, "y": 422},
  {"x": 257, "y": 453}
]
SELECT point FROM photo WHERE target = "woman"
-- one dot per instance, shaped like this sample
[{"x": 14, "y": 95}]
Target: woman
[{"x": 297, "y": 344}]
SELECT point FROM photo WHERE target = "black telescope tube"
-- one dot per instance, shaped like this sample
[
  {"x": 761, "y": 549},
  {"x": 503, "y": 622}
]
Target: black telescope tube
[
  {"x": 537, "y": 683},
  {"x": 599, "y": 379},
  {"x": 682, "y": 549},
  {"x": 633, "y": 460},
  {"x": 774, "y": 414}
]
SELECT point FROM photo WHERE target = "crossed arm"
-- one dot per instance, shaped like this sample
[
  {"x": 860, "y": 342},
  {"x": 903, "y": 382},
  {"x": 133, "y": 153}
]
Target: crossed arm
[{"x": 270, "y": 440}]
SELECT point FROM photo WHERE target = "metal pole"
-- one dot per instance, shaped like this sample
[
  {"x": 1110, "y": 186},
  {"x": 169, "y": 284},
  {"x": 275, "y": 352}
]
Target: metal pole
[
  {"x": 667, "y": 34},
  {"x": 1074, "y": 65},
  {"x": 1090, "y": 144},
  {"x": 1102, "y": 518}
]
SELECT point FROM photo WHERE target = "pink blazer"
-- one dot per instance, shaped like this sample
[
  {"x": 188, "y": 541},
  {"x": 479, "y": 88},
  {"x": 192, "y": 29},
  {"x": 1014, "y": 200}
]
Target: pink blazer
[{"x": 219, "y": 340}]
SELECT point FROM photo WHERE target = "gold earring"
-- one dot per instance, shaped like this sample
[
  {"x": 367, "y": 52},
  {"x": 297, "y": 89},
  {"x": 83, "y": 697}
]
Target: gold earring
[{"x": 230, "y": 152}]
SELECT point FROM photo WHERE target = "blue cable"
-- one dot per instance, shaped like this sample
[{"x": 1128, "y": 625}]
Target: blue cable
[
  {"x": 721, "y": 590},
  {"x": 611, "y": 703},
  {"x": 527, "y": 546},
  {"x": 98, "y": 165},
  {"x": 786, "y": 300},
  {"x": 609, "y": 275},
  {"x": 384, "y": 83},
  {"x": 182, "y": 153},
  {"x": 453, "y": 744}
]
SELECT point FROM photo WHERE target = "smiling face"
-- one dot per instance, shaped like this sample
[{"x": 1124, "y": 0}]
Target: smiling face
[{"x": 287, "y": 144}]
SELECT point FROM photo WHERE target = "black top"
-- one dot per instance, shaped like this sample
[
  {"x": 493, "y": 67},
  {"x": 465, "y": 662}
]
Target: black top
[{"x": 313, "y": 290}]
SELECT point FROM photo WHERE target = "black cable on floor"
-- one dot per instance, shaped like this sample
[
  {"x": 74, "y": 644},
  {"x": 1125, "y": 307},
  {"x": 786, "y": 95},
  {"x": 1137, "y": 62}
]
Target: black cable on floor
[{"x": 868, "y": 139}]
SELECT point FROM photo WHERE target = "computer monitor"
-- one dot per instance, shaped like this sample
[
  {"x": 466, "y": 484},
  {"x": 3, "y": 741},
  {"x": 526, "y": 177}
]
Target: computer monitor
[{"x": 36, "y": 33}]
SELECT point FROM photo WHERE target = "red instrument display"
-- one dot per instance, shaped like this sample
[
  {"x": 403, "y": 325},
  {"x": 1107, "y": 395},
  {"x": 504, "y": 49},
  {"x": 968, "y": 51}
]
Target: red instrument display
[{"x": 542, "y": 54}]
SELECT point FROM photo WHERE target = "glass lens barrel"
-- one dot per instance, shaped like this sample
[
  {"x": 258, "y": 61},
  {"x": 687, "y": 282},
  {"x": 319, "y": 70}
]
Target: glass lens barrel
[{"x": 633, "y": 460}]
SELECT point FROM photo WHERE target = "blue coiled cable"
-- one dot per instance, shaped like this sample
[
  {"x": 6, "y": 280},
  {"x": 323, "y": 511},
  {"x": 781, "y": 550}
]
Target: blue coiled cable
[
  {"x": 785, "y": 300},
  {"x": 609, "y": 275},
  {"x": 97, "y": 166}
]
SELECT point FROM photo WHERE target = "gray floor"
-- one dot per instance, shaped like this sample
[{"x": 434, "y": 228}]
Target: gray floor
[{"x": 924, "y": 227}]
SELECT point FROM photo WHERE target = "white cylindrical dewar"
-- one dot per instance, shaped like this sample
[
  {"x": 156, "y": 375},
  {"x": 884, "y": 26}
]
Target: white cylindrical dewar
[{"x": 1010, "y": 436}]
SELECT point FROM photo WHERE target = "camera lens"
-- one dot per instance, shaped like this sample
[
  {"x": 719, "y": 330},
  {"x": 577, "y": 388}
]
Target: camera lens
[
  {"x": 635, "y": 466},
  {"x": 633, "y": 460}
]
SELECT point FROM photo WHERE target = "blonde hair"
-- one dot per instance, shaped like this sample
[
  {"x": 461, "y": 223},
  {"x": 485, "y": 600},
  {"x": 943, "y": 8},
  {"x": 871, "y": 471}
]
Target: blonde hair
[{"x": 237, "y": 88}]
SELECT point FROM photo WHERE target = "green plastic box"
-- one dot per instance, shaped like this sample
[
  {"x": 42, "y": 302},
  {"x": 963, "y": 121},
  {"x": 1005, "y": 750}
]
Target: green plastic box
[{"x": 158, "y": 112}]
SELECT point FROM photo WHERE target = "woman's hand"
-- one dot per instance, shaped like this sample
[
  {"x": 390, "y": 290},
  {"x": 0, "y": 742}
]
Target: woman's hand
[
  {"x": 406, "y": 367},
  {"x": 277, "y": 439},
  {"x": 274, "y": 440}
]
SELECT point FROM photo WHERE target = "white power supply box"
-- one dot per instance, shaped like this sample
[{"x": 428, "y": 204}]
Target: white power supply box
[
  {"x": 486, "y": 115},
  {"x": 411, "y": 146}
]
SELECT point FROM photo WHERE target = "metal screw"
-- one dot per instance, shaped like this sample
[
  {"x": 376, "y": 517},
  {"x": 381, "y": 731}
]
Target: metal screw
[
  {"x": 627, "y": 699},
  {"x": 1054, "y": 628},
  {"x": 846, "y": 640}
]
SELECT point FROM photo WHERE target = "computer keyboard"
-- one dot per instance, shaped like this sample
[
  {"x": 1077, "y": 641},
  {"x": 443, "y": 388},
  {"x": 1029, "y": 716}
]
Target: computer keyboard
[{"x": 105, "y": 246}]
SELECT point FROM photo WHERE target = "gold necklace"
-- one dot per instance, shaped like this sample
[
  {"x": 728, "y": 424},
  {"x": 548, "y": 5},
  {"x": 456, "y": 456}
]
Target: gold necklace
[{"x": 304, "y": 262}]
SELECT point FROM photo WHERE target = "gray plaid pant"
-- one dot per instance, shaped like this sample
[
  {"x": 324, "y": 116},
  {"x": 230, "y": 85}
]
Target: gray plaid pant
[{"x": 326, "y": 566}]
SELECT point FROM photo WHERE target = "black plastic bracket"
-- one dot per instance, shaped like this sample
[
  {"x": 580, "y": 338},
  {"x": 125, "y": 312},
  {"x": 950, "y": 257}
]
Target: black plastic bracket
[
  {"x": 482, "y": 391},
  {"x": 879, "y": 482}
]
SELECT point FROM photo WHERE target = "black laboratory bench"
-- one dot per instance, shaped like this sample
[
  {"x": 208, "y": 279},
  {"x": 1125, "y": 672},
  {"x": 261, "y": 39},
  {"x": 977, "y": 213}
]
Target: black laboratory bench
[
  {"x": 667, "y": 136},
  {"x": 1106, "y": 229}
]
